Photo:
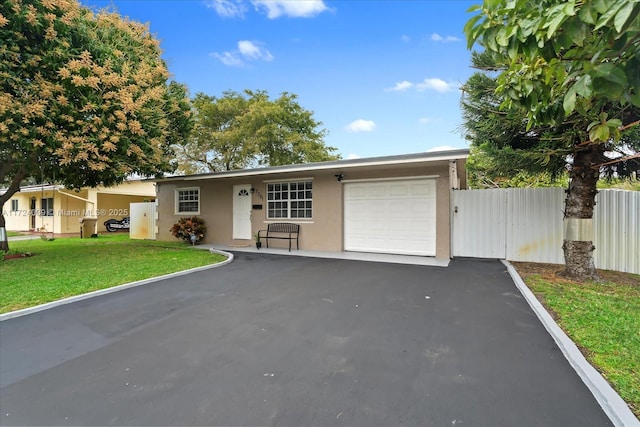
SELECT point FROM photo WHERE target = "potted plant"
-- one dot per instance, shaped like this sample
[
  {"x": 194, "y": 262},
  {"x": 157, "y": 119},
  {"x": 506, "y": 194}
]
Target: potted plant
[{"x": 256, "y": 237}]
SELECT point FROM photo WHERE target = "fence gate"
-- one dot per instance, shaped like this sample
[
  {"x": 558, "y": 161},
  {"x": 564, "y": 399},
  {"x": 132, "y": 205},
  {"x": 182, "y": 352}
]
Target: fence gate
[
  {"x": 143, "y": 220},
  {"x": 479, "y": 223}
]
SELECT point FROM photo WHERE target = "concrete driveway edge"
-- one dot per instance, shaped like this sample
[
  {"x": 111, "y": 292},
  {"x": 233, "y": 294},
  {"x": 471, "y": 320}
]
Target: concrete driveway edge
[
  {"x": 612, "y": 404},
  {"x": 75, "y": 298}
]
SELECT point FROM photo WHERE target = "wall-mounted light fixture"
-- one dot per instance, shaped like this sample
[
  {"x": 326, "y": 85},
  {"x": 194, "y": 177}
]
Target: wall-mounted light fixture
[
  {"x": 255, "y": 191},
  {"x": 339, "y": 177}
]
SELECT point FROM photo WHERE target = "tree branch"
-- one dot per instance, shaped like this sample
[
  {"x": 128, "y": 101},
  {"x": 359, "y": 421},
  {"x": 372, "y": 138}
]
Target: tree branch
[
  {"x": 621, "y": 129},
  {"x": 14, "y": 187},
  {"x": 5, "y": 168},
  {"x": 621, "y": 159}
]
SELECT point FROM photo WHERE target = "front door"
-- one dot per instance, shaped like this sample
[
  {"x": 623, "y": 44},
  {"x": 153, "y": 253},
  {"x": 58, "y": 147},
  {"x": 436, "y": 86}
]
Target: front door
[
  {"x": 32, "y": 212},
  {"x": 242, "y": 211}
]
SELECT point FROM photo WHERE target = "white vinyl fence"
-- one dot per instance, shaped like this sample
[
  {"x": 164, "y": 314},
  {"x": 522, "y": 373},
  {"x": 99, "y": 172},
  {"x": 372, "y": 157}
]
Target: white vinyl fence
[
  {"x": 143, "y": 220},
  {"x": 525, "y": 224}
]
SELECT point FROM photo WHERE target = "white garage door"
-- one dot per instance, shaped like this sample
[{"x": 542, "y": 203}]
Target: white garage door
[{"x": 396, "y": 217}]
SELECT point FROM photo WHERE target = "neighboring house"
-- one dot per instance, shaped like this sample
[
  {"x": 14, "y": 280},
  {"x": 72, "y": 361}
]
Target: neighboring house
[
  {"x": 394, "y": 204},
  {"x": 59, "y": 210}
]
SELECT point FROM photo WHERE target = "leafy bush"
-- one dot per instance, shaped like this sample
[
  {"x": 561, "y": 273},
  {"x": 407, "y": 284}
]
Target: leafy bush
[{"x": 187, "y": 226}]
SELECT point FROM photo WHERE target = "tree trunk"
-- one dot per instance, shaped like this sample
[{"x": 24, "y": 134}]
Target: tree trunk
[
  {"x": 578, "y": 216},
  {"x": 4, "y": 240},
  {"x": 14, "y": 187}
]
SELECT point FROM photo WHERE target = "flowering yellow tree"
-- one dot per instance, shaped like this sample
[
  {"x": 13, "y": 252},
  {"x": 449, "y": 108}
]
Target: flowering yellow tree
[{"x": 85, "y": 97}]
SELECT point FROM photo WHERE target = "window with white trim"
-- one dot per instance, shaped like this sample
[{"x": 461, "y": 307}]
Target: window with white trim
[
  {"x": 188, "y": 200},
  {"x": 290, "y": 200},
  {"x": 46, "y": 206},
  {"x": 14, "y": 205}
]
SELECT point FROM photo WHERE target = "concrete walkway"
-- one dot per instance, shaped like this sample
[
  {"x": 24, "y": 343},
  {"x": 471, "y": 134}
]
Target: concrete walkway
[{"x": 354, "y": 256}]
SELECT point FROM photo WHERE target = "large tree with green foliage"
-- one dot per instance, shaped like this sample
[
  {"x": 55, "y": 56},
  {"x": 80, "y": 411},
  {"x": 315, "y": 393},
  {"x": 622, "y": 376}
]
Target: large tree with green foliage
[
  {"x": 84, "y": 98},
  {"x": 240, "y": 130},
  {"x": 567, "y": 92}
]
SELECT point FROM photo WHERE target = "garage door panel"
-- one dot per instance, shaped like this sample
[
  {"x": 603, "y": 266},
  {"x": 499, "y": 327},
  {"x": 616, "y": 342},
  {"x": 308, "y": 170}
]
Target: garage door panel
[
  {"x": 423, "y": 190},
  {"x": 398, "y": 190},
  {"x": 391, "y": 217}
]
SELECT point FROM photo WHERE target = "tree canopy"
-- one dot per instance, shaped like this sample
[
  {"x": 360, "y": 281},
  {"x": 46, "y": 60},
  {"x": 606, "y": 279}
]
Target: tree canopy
[
  {"x": 504, "y": 153},
  {"x": 561, "y": 91},
  {"x": 240, "y": 130},
  {"x": 85, "y": 99},
  {"x": 564, "y": 57}
]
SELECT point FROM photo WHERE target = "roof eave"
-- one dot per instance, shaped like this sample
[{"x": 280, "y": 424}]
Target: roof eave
[{"x": 437, "y": 156}]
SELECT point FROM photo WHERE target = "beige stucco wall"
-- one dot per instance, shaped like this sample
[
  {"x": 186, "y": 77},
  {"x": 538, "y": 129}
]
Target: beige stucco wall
[
  {"x": 70, "y": 206},
  {"x": 17, "y": 220},
  {"x": 116, "y": 206},
  {"x": 23, "y": 218},
  {"x": 323, "y": 232},
  {"x": 132, "y": 188}
]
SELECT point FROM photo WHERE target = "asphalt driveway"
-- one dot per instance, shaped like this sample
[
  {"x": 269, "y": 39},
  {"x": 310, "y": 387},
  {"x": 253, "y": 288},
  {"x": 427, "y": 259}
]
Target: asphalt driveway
[{"x": 278, "y": 340}]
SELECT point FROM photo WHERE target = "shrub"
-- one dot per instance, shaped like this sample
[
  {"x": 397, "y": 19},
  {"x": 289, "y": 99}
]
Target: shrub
[{"x": 187, "y": 226}]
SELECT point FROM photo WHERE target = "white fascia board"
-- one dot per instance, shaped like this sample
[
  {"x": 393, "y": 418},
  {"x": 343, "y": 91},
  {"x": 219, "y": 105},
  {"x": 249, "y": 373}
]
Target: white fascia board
[
  {"x": 322, "y": 166},
  {"x": 39, "y": 188}
]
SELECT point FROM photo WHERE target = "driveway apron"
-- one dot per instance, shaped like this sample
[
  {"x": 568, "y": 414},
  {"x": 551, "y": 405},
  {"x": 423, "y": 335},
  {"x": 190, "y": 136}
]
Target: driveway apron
[{"x": 278, "y": 340}]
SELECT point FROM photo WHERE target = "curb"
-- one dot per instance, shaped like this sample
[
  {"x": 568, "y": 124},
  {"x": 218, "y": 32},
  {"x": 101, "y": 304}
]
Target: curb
[
  {"x": 76, "y": 298},
  {"x": 610, "y": 401}
]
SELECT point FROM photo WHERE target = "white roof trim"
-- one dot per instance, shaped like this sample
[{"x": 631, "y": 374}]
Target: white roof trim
[
  {"x": 35, "y": 188},
  {"x": 340, "y": 164}
]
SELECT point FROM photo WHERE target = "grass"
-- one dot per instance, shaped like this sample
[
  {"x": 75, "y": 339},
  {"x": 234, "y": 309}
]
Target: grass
[
  {"x": 13, "y": 234},
  {"x": 603, "y": 319},
  {"x": 71, "y": 266}
]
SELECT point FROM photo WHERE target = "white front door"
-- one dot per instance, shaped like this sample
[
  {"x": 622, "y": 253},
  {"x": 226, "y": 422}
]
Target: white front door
[{"x": 242, "y": 211}]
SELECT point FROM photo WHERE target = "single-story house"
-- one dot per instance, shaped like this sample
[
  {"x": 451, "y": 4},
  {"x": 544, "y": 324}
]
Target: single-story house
[
  {"x": 393, "y": 204},
  {"x": 56, "y": 209}
]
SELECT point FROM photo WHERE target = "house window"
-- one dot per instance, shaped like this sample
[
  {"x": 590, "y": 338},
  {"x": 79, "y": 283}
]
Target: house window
[
  {"x": 14, "y": 205},
  {"x": 188, "y": 200},
  {"x": 46, "y": 206},
  {"x": 289, "y": 200}
]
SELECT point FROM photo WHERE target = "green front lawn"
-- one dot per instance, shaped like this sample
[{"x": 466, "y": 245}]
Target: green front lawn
[
  {"x": 71, "y": 266},
  {"x": 603, "y": 319},
  {"x": 13, "y": 234}
]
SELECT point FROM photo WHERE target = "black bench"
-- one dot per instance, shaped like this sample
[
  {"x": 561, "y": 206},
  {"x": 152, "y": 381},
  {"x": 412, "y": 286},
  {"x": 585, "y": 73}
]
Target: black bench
[{"x": 283, "y": 230}]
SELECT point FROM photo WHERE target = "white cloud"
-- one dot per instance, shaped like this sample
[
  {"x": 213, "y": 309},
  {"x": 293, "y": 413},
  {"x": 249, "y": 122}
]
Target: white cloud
[
  {"x": 228, "y": 8},
  {"x": 272, "y": 8},
  {"x": 290, "y": 8},
  {"x": 353, "y": 156},
  {"x": 247, "y": 51},
  {"x": 425, "y": 120},
  {"x": 254, "y": 51},
  {"x": 400, "y": 86},
  {"x": 436, "y": 84},
  {"x": 361, "y": 125},
  {"x": 444, "y": 39},
  {"x": 405, "y": 38},
  {"x": 441, "y": 148},
  {"x": 229, "y": 59}
]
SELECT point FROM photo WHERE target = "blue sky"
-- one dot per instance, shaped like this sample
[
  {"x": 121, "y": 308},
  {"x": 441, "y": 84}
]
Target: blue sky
[{"x": 382, "y": 76}]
